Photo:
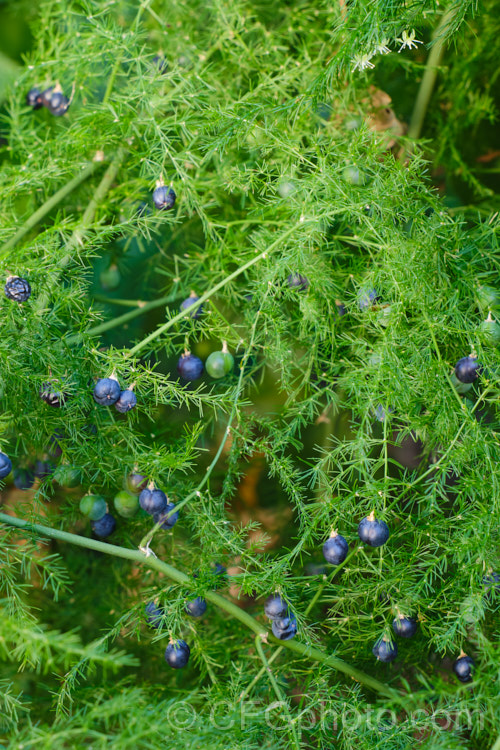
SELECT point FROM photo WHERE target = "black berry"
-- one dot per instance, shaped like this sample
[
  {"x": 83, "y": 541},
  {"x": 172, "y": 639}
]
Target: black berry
[
  {"x": 467, "y": 369},
  {"x": 136, "y": 482},
  {"x": 385, "y": 650},
  {"x": 189, "y": 302},
  {"x": 58, "y": 104},
  {"x": 5, "y": 465},
  {"x": 153, "y": 615},
  {"x": 104, "y": 526},
  {"x": 153, "y": 501},
  {"x": 46, "y": 96},
  {"x": 34, "y": 98},
  {"x": 190, "y": 367},
  {"x": 51, "y": 396},
  {"x": 17, "y": 289},
  {"x": 167, "y": 518},
  {"x": 177, "y": 654},
  {"x": 464, "y": 668},
  {"x": 491, "y": 582},
  {"x": 24, "y": 479},
  {"x": 43, "y": 468},
  {"x": 284, "y": 628},
  {"x": 126, "y": 401},
  {"x": 197, "y": 607},
  {"x": 406, "y": 627},
  {"x": 297, "y": 281},
  {"x": 373, "y": 532},
  {"x": 107, "y": 391},
  {"x": 275, "y": 607},
  {"x": 164, "y": 198},
  {"x": 335, "y": 549}
]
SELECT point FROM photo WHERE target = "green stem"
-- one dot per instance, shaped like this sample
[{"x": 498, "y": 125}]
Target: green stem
[
  {"x": 429, "y": 78},
  {"x": 85, "y": 224},
  {"x": 120, "y": 320},
  {"x": 47, "y": 207},
  {"x": 216, "y": 599},
  {"x": 277, "y": 691}
]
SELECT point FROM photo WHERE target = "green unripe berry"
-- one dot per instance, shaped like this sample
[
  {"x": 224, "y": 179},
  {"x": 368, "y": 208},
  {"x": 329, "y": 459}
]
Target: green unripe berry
[
  {"x": 491, "y": 330},
  {"x": 93, "y": 506},
  {"x": 67, "y": 476},
  {"x": 488, "y": 298},
  {"x": 220, "y": 363},
  {"x": 126, "y": 504}
]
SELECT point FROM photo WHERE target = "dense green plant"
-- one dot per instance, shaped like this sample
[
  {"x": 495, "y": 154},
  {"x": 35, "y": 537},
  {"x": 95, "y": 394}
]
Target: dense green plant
[{"x": 270, "y": 123}]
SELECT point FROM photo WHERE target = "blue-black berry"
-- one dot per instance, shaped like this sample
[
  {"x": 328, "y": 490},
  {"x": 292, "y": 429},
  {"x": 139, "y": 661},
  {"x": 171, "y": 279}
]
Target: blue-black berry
[
  {"x": 467, "y": 369},
  {"x": 189, "y": 302},
  {"x": 160, "y": 62},
  {"x": 297, "y": 281},
  {"x": 126, "y": 401},
  {"x": 153, "y": 614},
  {"x": 164, "y": 198},
  {"x": 335, "y": 549},
  {"x": 153, "y": 501},
  {"x": 24, "y": 479},
  {"x": 385, "y": 650},
  {"x": 34, "y": 98},
  {"x": 104, "y": 526},
  {"x": 51, "y": 396},
  {"x": 167, "y": 518},
  {"x": 464, "y": 668},
  {"x": 136, "y": 483},
  {"x": 367, "y": 296},
  {"x": 197, "y": 607},
  {"x": 373, "y": 532},
  {"x": 43, "y": 468},
  {"x": 284, "y": 628},
  {"x": 107, "y": 391},
  {"x": 5, "y": 465},
  {"x": 190, "y": 367},
  {"x": 491, "y": 583},
  {"x": 177, "y": 654},
  {"x": 275, "y": 607},
  {"x": 406, "y": 627},
  {"x": 58, "y": 104},
  {"x": 17, "y": 289}
]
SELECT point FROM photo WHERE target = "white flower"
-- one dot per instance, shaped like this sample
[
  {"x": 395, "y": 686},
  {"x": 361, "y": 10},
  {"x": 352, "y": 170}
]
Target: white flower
[
  {"x": 382, "y": 48},
  {"x": 408, "y": 40},
  {"x": 362, "y": 61}
]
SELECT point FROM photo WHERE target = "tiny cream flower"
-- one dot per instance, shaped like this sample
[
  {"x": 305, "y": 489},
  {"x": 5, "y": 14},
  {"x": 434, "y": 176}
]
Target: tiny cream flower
[
  {"x": 382, "y": 48},
  {"x": 362, "y": 61},
  {"x": 408, "y": 40}
]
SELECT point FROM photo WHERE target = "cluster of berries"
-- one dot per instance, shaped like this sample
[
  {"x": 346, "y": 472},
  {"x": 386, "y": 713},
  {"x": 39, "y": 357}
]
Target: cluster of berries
[
  {"x": 283, "y": 621},
  {"x": 155, "y": 503},
  {"x": 52, "y": 98},
  {"x": 107, "y": 392},
  {"x": 217, "y": 364}
]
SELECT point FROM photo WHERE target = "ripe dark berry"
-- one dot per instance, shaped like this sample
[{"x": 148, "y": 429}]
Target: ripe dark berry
[
  {"x": 219, "y": 364},
  {"x": 197, "y": 607},
  {"x": 136, "y": 483},
  {"x": 34, "y": 98},
  {"x": 385, "y": 650},
  {"x": 126, "y": 504},
  {"x": 491, "y": 582},
  {"x": 93, "y": 506},
  {"x": 367, "y": 297},
  {"x": 221, "y": 575},
  {"x": 153, "y": 501},
  {"x": 43, "y": 468},
  {"x": 190, "y": 367},
  {"x": 107, "y": 391},
  {"x": 464, "y": 668},
  {"x": 335, "y": 549},
  {"x": 58, "y": 104},
  {"x": 167, "y": 518},
  {"x": 17, "y": 289},
  {"x": 126, "y": 401},
  {"x": 160, "y": 62},
  {"x": 467, "y": 369},
  {"x": 406, "y": 627},
  {"x": 341, "y": 311},
  {"x": 297, "y": 281},
  {"x": 5, "y": 465},
  {"x": 153, "y": 615},
  {"x": 177, "y": 654},
  {"x": 51, "y": 396},
  {"x": 24, "y": 479},
  {"x": 46, "y": 96},
  {"x": 189, "y": 302},
  {"x": 275, "y": 607},
  {"x": 285, "y": 628},
  {"x": 164, "y": 198},
  {"x": 373, "y": 532},
  {"x": 104, "y": 526}
]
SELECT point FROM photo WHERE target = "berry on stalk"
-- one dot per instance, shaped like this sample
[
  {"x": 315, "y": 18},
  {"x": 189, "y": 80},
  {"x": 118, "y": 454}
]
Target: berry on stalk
[
  {"x": 406, "y": 627},
  {"x": 5, "y": 465},
  {"x": 275, "y": 607},
  {"x": 153, "y": 615},
  {"x": 93, "y": 506},
  {"x": 467, "y": 369},
  {"x": 52, "y": 397},
  {"x": 220, "y": 363},
  {"x": 107, "y": 391},
  {"x": 385, "y": 650},
  {"x": 284, "y": 628},
  {"x": 34, "y": 98},
  {"x": 335, "y": 549},
  {"x": 104, "y": 526},
  {"x": 197, "y": 607},
  {"x": 152, "y": 500},
  {"x": 163, "y": 197},
  {"x": 177, "y": 654},
  {"x": 126, "y": 504},
  {"x": 136, "y": 483},
  {"x": 372, "y": 531},
  {"x": 297, "y": 281},
  {"x": 24, "y": 479},
  {"x": 196, "y": 312},
  {"x": 167, "y": 518},
  {"x": 17, "y": 289},
  {"x": 190, "y": 367},
  {"x": 58, "y": 104},
  {"x": 126, "y": 401},
  {"x": 464, "y": 667}
]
